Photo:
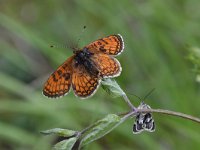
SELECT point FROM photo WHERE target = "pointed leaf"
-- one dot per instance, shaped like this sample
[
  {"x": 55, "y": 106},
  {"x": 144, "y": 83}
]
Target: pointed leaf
[
  {"x": 112, "y": 88},
  {"x": 59, "y": 132},
  {"x": 65, "y": 144},
  {"x": 101, "y": 128}
]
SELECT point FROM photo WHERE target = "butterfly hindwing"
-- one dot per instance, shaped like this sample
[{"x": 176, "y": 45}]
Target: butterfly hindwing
[
  {"x": 107, "y": 65},
  {"x": 84, "y": 83}
]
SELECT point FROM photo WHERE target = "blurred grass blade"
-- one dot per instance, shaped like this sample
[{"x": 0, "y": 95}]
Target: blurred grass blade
[
  {"x": 29, "y": 36},
  {"x": 65, "y": 144},
  {"x": 14, "y": 134},
  {"x": 16, "y": 86},
  {"x": 10, "y": 53},
  {"x": 59, "y": 132},
  {"x": 100, "y": 128},
  {"x": 112, "y": 87}
]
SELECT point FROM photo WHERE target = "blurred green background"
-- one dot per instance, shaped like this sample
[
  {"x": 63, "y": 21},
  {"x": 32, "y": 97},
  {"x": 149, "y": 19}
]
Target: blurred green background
[{"x": 156, "y": 33}]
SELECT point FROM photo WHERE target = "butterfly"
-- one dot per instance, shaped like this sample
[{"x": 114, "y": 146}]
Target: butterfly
[
  {"x": 143, "y": 121},
  {"x": 84, "y": 70}
]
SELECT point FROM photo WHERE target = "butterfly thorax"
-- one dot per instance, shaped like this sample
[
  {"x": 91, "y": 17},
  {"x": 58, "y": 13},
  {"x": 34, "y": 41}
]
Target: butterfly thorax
[{"x": 83, "y": 58}]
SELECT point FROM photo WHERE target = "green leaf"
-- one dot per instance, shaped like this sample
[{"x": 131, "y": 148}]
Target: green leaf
[
  {"x": 112, "y": 88},
  {"x": 65, "y": 144},
  {"x": 100, "y": 128},
  {"x": 59, "y": 132}
]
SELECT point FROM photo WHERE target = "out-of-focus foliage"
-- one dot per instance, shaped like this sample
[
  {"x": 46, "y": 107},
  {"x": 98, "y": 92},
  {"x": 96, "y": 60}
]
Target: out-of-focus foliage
[{"x": 156, "y": 33}]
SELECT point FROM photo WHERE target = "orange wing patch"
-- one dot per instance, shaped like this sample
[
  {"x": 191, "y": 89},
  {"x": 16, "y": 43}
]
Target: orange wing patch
[
  {"x": 111, "y": 45},
  {"x": 107, "y": 65},
  {"x": 59, "y": 82},
  {"x": 84, "y": 84}
]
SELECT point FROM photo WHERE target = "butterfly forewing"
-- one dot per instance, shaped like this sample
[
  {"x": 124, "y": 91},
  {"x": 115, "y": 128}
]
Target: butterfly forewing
[
  {"x": 84, "y": 83},
  {"x": 110, "y": 45},
  {"x": 107, "y": 65},
  {"x": 59, "y": 82}
]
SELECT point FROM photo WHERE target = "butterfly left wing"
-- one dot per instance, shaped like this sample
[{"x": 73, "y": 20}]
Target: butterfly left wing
[
  {"x": 110, "y": 45},
  {"x": 107, "y": 65},
  {"x": 84, "y": 83},
  {"x": 59, "y": 82}
]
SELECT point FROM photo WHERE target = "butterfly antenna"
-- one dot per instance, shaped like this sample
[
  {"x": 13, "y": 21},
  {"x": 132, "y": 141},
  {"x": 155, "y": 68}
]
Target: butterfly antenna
[
  {"x": 64, "y": 46},
  {"x": 135, "y": 96},
  {"x": 60, "y": 46},
  {"x": 74, "y": 48},
  {"x": 56, "y": 46},
  {"x": 143, "y": 99},
  {"x": 148, "y": 94},
  {"x": 80, "y": 36}
]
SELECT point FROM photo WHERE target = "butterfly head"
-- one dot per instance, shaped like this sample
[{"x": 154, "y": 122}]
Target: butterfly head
[
  {"x": 75, "y": 50},
  {"x": 143, "y": 106}
]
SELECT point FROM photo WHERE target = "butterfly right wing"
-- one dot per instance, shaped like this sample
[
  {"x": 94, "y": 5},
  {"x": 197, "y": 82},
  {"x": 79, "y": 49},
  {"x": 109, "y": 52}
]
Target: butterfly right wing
[
  {"x": 110, "y": 45},
  {"x": 59, "y": 82},
  {"x": 108, "y": 66},
  {"x": 84, "y": 83}
]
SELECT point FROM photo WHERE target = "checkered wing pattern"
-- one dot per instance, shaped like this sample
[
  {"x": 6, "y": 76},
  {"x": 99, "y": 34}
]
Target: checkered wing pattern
[
  {"x": 84, "y": 83},
  {"x": 107, "y": 65},
  {"x": 59, "y": 82},
  {"x": 110, "y": 45}
]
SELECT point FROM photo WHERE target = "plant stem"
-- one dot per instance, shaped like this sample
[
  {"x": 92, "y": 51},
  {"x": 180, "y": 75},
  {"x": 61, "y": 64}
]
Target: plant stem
[
  {"x": 162, "y": 111},
  {"x": 172, "y": 113},
  {"x": 133, "y": 108}
]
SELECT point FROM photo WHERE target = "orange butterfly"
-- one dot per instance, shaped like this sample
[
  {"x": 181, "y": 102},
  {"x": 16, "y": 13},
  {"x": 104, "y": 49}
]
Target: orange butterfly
[{"x": 85, "y": 69}]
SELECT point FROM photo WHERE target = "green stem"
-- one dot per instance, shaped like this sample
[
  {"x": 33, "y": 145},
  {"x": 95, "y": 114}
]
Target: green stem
[{"x": 133, "y": 108}]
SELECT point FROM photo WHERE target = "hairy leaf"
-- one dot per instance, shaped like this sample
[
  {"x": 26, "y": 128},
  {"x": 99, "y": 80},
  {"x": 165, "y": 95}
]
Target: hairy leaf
[
  {"x": 112, "y": 88},
  {"x": 100, "y": 128}
]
